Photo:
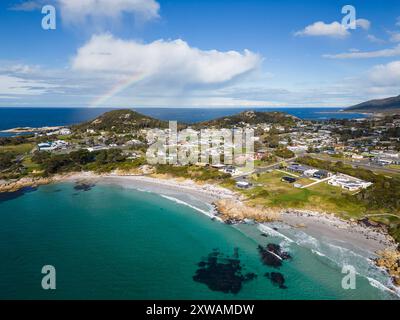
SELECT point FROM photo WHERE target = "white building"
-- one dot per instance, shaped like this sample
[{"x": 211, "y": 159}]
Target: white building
[{"x": 349, "y": 183}]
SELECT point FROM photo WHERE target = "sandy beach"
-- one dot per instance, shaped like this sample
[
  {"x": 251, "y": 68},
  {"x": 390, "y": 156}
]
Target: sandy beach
[{"x": 351, "y": 235}]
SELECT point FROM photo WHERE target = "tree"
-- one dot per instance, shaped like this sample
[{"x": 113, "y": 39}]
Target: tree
[
  {"x": 284, "y": 153},
  {"x": 40, "y": 157},
  {"x": 6, "y": 160},
  {"x": 82, "y": 157}
]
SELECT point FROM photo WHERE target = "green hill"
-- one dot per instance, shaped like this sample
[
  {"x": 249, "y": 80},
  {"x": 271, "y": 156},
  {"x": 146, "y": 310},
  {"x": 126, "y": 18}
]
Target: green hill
[
  {"x": 121, "y": 121},
  {"x": 249, "y": 117}
]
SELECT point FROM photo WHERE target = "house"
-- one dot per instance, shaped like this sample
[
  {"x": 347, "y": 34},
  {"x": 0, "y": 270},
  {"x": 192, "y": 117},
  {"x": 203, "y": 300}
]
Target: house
[
  {"x": 46, "y": 146},
  {"x": 310, "y": 172},
  {"x": 243, "y": 184},
  {"x": 321, "y": 174},
  {"x": 382, "y": 162},
  {"x": 298, "y": 149},
  {"x": 51, "y": 146},
  {"x": 65, "y": 131},
  {"x": 288, "y": 179},
  {"x": 230, "y": 170},
  {"x": 295, "y": 167},
  {"x": 348, "y": 183}
]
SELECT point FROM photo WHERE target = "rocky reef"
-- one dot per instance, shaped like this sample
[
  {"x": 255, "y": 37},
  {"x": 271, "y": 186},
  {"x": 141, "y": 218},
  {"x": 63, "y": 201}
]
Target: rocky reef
[
  {"x": 272, "y": 255},
  {"x": 15, "y": 185},
  {"x": 84, "y": 186},
  {"x": 222, "y": 273},
  {"x": 390, "y": 260},
  {"x": 232, "y": 211},
  {"x": 276, "y": 278}
]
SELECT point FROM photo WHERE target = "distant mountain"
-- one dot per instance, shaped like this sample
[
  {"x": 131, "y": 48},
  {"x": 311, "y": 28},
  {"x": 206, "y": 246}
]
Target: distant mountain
[
  {"x": 121, "y": 121},
  {"x": 379, "y": 105},
  {"x": 250, "y": 117}
]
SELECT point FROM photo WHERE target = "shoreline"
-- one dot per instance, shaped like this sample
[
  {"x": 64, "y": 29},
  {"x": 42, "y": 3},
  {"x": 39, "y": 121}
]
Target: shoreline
[
  {"x": 317, "y": 224},
  {"x": 204, "y": 197}
]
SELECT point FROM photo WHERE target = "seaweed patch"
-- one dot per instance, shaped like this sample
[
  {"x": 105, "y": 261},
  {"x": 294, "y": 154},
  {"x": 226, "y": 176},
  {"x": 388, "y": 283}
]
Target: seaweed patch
[
  {"x": 84, "y": 186},
  {"x": 277, "y": 279},
  {"x": 272, "y": 255},
  {"x": 222, "y": 273}
]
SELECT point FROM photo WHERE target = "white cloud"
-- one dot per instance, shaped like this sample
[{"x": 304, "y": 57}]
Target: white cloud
[
  {"x": 76, "y": 11},
  {"x": 12, "y": 85},
  {"x": 27, "y": 6},
  {"x": 334, "y": 29},
  {"x": 395, "y": 36},
  {"x": 366, "y": 55},
  {"x": 163, "y": 61},
  {"x": 398, "y": 21},
  {"x": 386, "y": 74},
  {"x": 375, "y": 39},
  {"x": 363, "y": 23}
]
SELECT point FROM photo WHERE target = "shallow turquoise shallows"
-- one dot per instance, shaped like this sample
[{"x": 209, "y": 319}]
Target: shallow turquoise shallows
[{"x": 115, "y": 243}]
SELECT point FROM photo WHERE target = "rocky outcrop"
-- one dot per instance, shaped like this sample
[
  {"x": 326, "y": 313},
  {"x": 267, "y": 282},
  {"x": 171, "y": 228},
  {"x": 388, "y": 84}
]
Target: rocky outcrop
[
  {"x": 390, "y": 260},
  {"x": 15, "y": 185},
  {"x": 233, "y": 211}
]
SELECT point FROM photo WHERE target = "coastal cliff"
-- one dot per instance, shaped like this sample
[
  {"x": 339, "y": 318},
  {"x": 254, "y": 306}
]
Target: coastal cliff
[
  {"x": 230, "y": 210},
  {"x": 13, "y": 186},
  {"x": 390, "y": 261}
]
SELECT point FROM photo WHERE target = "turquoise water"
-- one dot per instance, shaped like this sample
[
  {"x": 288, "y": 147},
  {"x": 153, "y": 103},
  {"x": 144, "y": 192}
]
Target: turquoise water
[{"x": 116, "y": 243}]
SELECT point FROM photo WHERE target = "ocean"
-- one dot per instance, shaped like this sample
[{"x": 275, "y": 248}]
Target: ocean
[
  {"x": 39, "y": 117},
  {"x": 110, "y": 242}
]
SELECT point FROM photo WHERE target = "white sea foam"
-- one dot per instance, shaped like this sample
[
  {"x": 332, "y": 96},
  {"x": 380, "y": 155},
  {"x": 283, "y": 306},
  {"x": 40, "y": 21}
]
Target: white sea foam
[
  {"x": 318, "y": 253},
  {"x": 337, "y": 255},
  {"x": 267, "y": 230},
  {"x": 382, "y": 287},
  {"x": 207, "y": 213}
]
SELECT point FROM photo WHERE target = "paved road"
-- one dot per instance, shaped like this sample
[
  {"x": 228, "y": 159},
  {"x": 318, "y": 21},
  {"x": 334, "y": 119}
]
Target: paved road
[
  {"x": 265, "y": 168},
  {"x": 359, "y": 164}
]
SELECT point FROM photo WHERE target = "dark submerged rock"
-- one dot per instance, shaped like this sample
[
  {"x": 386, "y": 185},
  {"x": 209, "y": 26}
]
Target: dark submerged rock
[
  {"x": 6, "y": 196},
  {"x": 277, "y": 279},
  {"x": 272, "y": 255},
  {"x": 268, "y": 258},
  {"x": 83, "y": 186},
  {"x": 275, "y": 248},
  {"x": 222, "y": 273}
]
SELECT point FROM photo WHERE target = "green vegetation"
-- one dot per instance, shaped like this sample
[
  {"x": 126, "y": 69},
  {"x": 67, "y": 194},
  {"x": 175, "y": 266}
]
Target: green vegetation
[
  {"x": 284, "y": 153},
  {"x": 193, "y": 172},
  {"x": 250, "y": 117},
  {"x": 6, "y": 160},
  {"x": 17, "y": 149},
  {"x": 270, "y": 191},
  {"x": 100, "y": 161},
  {"x": 383, "y": 196},
  {"x": 121, "y": 121}
]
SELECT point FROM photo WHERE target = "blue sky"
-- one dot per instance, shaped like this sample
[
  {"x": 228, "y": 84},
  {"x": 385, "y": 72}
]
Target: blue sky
[{"x": 186, "y": 53}]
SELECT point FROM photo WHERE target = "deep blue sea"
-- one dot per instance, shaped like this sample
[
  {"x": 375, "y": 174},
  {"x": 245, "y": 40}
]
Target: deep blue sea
[{"x": 39, "y": 117}]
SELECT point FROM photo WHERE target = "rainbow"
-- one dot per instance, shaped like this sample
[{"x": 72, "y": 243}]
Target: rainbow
[{"x": 119, "y": 87}]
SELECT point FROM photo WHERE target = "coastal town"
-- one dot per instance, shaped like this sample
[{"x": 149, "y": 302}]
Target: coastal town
[{"x": 349, "y": 168}]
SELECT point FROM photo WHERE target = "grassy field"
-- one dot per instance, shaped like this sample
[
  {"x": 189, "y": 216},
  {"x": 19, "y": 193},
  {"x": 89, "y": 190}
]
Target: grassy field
[
  {"x": 17, "y": 149},
  {"x": 31, "y": 166},
  {"x": 270, "y": 191}
]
